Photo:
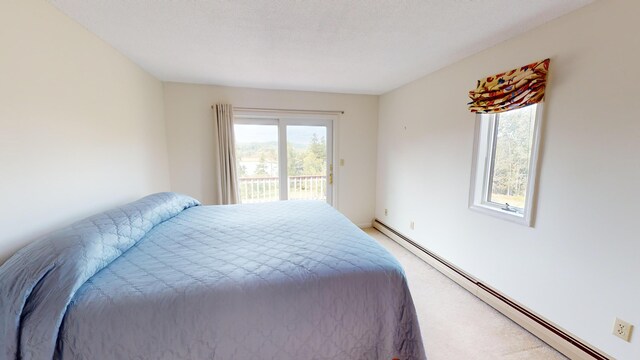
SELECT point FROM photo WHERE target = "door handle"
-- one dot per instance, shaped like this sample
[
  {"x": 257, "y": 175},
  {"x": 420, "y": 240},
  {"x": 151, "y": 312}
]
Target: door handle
[{"x": 331, "y": 174}]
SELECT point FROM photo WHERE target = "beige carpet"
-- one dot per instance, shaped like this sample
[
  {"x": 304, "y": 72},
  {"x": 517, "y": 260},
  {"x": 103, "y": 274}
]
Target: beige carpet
[{"x": 456, "y": 325}]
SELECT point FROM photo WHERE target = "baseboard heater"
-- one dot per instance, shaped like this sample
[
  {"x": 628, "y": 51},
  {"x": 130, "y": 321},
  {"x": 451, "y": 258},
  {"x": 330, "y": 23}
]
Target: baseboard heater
[{"x": 553, "y": 335}]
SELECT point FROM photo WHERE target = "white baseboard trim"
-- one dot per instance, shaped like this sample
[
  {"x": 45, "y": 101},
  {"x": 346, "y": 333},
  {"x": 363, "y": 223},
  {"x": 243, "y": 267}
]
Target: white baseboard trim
[
  {"x": 556, "y": 337},
  {"x": 365, "y": 225}
]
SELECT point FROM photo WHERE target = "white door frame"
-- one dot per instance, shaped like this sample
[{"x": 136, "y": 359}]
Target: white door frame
[{"x": 282, "y": 120}]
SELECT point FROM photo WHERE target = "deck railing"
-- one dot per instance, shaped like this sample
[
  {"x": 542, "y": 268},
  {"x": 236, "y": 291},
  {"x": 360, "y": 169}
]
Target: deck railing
[{"x": 263, "y": 189}]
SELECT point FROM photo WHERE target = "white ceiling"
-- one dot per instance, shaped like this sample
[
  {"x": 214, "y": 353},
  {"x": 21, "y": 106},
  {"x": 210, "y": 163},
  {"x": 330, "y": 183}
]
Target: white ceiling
[{"x": 350, "y": 46}]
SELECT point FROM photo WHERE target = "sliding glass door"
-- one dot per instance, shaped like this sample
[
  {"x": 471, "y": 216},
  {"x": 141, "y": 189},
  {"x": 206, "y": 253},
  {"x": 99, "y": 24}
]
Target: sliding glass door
[{"x": 284, "y": 159}]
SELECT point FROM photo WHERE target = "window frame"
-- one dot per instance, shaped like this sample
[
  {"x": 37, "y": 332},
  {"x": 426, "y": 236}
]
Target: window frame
[{"x": 483, "y": 164}]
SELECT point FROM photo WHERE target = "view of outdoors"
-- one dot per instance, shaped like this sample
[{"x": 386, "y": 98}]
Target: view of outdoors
[
  {"x": 307, "y": 162},
  {"x": 258, "y": 167},
  {"x": 257, "y": 162},
  {"x": 511, "y": 159}
]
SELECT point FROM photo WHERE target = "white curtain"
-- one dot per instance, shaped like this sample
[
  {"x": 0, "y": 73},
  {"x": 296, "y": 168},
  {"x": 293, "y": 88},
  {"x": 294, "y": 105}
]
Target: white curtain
[{"x": 227, "y": 190}]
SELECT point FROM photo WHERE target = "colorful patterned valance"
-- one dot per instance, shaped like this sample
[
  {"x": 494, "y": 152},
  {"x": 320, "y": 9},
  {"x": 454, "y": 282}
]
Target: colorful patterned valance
[{"x": 510, "y": 90}]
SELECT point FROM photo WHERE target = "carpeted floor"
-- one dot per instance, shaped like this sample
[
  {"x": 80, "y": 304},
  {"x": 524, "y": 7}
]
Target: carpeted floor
[{"x": 456, "y": 325}]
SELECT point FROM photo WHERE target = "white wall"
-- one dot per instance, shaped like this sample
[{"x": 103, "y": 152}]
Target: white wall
[
  {"x": 190, "y": 133},
  {"x": 579, "y": 265},
  {"x": 81, "y": 127}
]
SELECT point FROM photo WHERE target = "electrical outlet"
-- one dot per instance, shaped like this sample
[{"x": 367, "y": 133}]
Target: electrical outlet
[
  {"x": 341, "y": 162},
  {"x": 412, "y": 225},
  {"x": 386, "y": 212},
  {"x": 622, "y": 329}
]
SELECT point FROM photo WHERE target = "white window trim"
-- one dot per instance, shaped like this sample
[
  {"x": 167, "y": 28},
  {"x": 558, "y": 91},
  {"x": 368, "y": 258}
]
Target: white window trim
[{"x": 481, "y": 171}]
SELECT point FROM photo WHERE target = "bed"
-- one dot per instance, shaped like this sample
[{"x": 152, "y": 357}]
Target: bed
[{"x": 167, "y": 278}]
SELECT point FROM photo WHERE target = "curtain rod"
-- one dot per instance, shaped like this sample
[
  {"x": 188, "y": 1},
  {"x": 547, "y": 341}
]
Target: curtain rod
[{"x": 332, "y": 112}]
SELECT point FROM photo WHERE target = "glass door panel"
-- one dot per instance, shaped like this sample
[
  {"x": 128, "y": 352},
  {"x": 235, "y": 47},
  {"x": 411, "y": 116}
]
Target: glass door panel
[
  {"x": 257, "y": 162},
  {"x": 284, "y": 159},
  {"x": 307, "y": 162}
]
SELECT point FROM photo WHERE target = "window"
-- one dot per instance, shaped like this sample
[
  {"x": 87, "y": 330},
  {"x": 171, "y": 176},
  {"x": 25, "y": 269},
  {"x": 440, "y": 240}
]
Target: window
[
  {"x": 505, "y": 161},
  {"x": 257, "y": 161},
  {"x": 285, "y": 157}
]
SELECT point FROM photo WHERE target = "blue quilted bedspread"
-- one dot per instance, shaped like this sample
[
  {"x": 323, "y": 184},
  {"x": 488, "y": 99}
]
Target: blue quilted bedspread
[{"x": 164, "y": 278}]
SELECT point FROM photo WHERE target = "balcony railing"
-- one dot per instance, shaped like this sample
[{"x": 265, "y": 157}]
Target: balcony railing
[{"x": 263, "y": 189}]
